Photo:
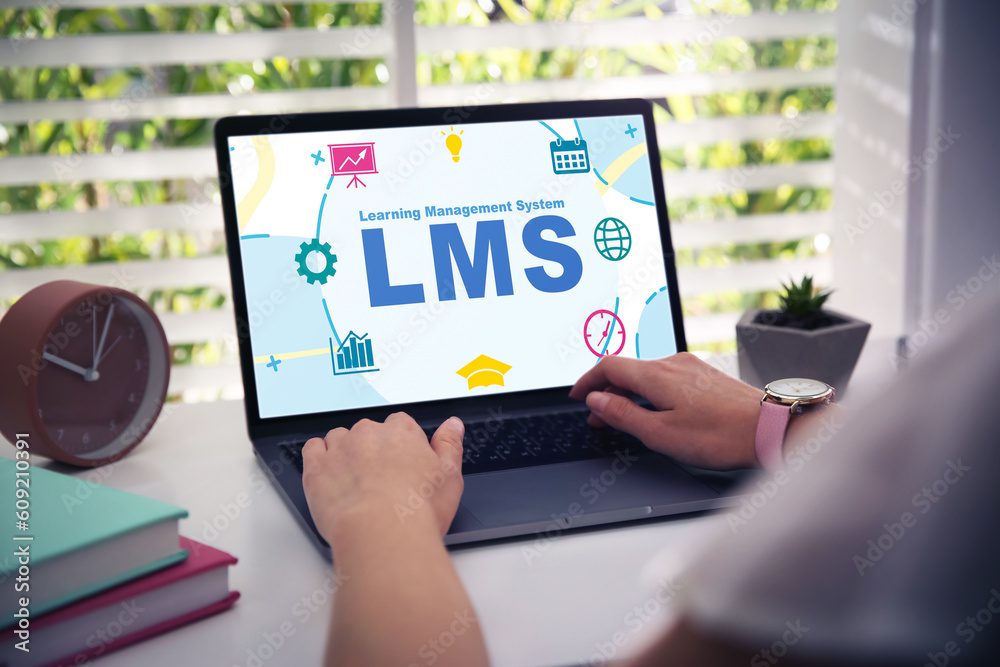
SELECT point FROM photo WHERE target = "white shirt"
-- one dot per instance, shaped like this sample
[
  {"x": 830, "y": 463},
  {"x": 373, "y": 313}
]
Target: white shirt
[{"x": 881, "y": 541}]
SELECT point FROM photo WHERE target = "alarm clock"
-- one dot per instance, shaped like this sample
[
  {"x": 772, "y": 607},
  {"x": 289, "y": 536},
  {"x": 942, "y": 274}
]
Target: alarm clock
[{"x": 83, "y": 371}]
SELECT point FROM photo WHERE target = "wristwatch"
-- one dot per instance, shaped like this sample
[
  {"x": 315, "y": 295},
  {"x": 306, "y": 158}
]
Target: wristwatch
[{"x": 782, "y": 399}]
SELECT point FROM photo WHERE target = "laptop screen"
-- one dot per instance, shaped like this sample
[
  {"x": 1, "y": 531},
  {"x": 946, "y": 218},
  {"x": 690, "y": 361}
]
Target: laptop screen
[{"x": 408, "y": 264}]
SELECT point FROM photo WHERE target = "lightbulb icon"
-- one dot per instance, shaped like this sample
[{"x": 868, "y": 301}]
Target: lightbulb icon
[{"x": 453, "y": 143}]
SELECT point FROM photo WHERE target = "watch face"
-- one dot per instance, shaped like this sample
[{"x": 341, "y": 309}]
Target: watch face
[
  {"x": 102, "y": 382},
  {"x": 798, "y": 388}
]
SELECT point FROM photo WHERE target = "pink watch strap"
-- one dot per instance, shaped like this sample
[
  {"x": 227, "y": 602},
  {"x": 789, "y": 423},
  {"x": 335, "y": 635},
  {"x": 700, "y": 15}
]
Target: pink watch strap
[{"x": 771, "y": 426}]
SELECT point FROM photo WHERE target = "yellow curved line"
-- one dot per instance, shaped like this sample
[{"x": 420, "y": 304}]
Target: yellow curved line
[
  {"x": 265, "y": 175},
  {"x": 620, "y": 166},
  {"x": 315, "y": 352}
]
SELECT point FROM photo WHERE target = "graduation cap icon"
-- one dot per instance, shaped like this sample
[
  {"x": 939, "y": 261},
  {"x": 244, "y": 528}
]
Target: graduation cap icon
[{"x": 484, "y": 371}]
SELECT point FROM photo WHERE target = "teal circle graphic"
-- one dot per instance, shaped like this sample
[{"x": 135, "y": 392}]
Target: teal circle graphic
[{"x": 612, "y": 239}]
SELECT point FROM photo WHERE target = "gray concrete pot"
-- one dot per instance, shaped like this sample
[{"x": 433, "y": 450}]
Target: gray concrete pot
[{"x": 768, "y": 352}]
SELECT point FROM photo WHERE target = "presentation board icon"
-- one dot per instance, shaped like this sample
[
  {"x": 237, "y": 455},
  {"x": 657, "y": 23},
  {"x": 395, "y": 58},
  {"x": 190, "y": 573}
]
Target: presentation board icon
[
  {"x": 354, "y": 355},
  {"x": 353, "y": 160},
  {"x": 484, "y": 371},
  {"x": 569, "y": 157}
]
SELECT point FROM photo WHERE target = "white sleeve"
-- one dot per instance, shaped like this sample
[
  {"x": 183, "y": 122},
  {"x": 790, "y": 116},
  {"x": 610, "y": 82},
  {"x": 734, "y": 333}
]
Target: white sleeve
[{"x": 880, "y": 540}]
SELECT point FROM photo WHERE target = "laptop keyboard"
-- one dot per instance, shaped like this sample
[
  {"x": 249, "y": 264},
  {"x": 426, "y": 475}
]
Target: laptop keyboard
[{"x": 518, "y": 442}]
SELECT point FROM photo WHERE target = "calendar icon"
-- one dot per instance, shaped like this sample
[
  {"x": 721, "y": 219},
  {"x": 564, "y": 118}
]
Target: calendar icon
[{"x": 570, "y": 157}]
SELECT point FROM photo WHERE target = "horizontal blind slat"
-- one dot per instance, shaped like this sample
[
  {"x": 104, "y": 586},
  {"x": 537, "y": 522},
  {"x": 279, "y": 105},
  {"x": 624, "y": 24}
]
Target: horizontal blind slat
[
  {"x": 184, "y": 378},
  {"x": 740, "y": 129},
  {"x": 143, "y": 104},
  {"x": 710, "y": 328},
  {"x": 130, "y": 275},
  {"x": 647, "y": 86},
  {"x": 625, "y": 32},
  {"x": 179, "y": 48},
  {"x": 199, "y": 326},
  {"x": 750, "y": 276},
  {"x": 191, "y": 217},
  {"x": 708, "y": 182},
  {"x": 750, "y": 229},
  {"x": 148, "y": 165},
  {"x": 109, "y": 50},
  {"x": 101, "y": 4}
]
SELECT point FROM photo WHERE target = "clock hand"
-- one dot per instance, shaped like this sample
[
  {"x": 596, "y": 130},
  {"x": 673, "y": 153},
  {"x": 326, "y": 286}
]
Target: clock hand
[
  {"x": 68, "y": 365},
  {"x": 107, "y": 351},
  {"x": 605, "y": 333},
  {"x": 93, "y": 332},
  {"x": 104, "y": 335}
]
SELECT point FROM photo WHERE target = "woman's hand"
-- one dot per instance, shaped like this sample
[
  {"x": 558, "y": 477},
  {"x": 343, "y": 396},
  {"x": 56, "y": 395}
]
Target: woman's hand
[
  {"x": 700, "y": 415},
  {"x": 383, "y": 496},
  {"x": 374, "y": 472}
]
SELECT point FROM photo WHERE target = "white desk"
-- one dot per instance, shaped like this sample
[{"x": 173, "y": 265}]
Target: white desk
[
  {"x": 550, "y": 609},
  {"x": 555, "y": 608}
]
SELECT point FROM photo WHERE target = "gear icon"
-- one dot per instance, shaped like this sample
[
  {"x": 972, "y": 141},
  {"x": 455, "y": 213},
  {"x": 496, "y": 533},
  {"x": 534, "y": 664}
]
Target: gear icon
[{"x": 327, "y": 270}]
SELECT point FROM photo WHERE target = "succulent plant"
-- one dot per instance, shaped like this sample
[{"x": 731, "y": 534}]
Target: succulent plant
[{"x": 802, "y": 299}]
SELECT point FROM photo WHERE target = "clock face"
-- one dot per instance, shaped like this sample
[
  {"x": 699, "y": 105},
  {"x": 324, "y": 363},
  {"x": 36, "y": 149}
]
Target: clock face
[
  {"x": 798, "y": 388},
  {"x": 604, "y": 333},
  {"x": 103, "y": 378}
]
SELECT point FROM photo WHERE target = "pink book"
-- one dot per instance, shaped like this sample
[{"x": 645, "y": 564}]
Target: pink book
[{"x": 126, "y": 614}]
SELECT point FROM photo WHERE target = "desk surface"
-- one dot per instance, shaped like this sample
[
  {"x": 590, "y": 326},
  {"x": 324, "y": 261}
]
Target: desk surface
[
  {"x": 556, "y": 601},
  {"x": 541, "y": 601}
]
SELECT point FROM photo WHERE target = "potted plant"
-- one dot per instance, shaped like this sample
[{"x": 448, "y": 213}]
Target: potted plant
[{"x": 800, "y": 339}]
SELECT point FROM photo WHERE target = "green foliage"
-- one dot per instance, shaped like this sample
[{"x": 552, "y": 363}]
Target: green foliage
[
  {"x": 801, "y": 299},
  {"x": 440, "y": 65}
]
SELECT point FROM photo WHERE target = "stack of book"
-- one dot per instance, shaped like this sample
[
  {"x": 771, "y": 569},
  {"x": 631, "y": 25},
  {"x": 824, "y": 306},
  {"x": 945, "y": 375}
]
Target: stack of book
[{"x": 92, "y": 569}]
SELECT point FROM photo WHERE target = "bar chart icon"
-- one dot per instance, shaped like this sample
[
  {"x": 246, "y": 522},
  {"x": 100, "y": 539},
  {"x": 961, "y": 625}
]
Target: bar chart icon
[{"x": 353, "y": 356}]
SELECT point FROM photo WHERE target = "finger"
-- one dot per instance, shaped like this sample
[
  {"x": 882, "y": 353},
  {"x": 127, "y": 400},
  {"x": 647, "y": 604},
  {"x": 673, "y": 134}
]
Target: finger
[
  {"x": 447, "y": 442},
  {"x": 595, "y": 421},
  {"x": 619, "y": 372},
  {"x": 402, "y": 420},
  {"x": 361, "y": 425},
  {"x": 312, "y": 452},
  {"x": 333, "y": 435},
  {"x": 623, "y": 414}
]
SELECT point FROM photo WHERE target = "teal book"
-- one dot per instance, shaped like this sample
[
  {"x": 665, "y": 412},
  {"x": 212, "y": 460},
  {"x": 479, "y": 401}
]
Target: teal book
[{"x": 68, "y": 538}]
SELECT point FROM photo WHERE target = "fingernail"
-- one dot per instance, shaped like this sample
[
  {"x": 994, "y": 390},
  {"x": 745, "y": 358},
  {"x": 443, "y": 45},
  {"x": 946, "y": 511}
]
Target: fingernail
[
  {"x": 456, "y": 425},
  {"x": 597, "y": 401}
]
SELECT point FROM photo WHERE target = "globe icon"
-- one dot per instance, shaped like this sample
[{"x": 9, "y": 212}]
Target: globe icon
[{"x": 612, "y": 239}]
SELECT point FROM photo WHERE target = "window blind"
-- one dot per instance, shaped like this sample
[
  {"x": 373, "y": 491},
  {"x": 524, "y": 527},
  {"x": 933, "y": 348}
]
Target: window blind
[{"x": 642, "y": 51}]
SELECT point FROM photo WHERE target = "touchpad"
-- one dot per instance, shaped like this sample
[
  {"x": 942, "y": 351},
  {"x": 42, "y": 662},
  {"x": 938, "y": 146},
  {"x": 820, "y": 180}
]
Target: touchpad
[{"x": 629, "y": 484}]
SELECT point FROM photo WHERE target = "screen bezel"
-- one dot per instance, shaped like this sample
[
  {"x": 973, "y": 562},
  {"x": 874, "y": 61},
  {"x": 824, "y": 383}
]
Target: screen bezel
[{"x": 471, "y": 407}]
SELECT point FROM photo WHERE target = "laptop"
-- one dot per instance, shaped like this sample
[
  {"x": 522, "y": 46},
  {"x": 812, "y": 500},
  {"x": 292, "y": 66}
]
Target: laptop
[{"x": 469, "y": 261}]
